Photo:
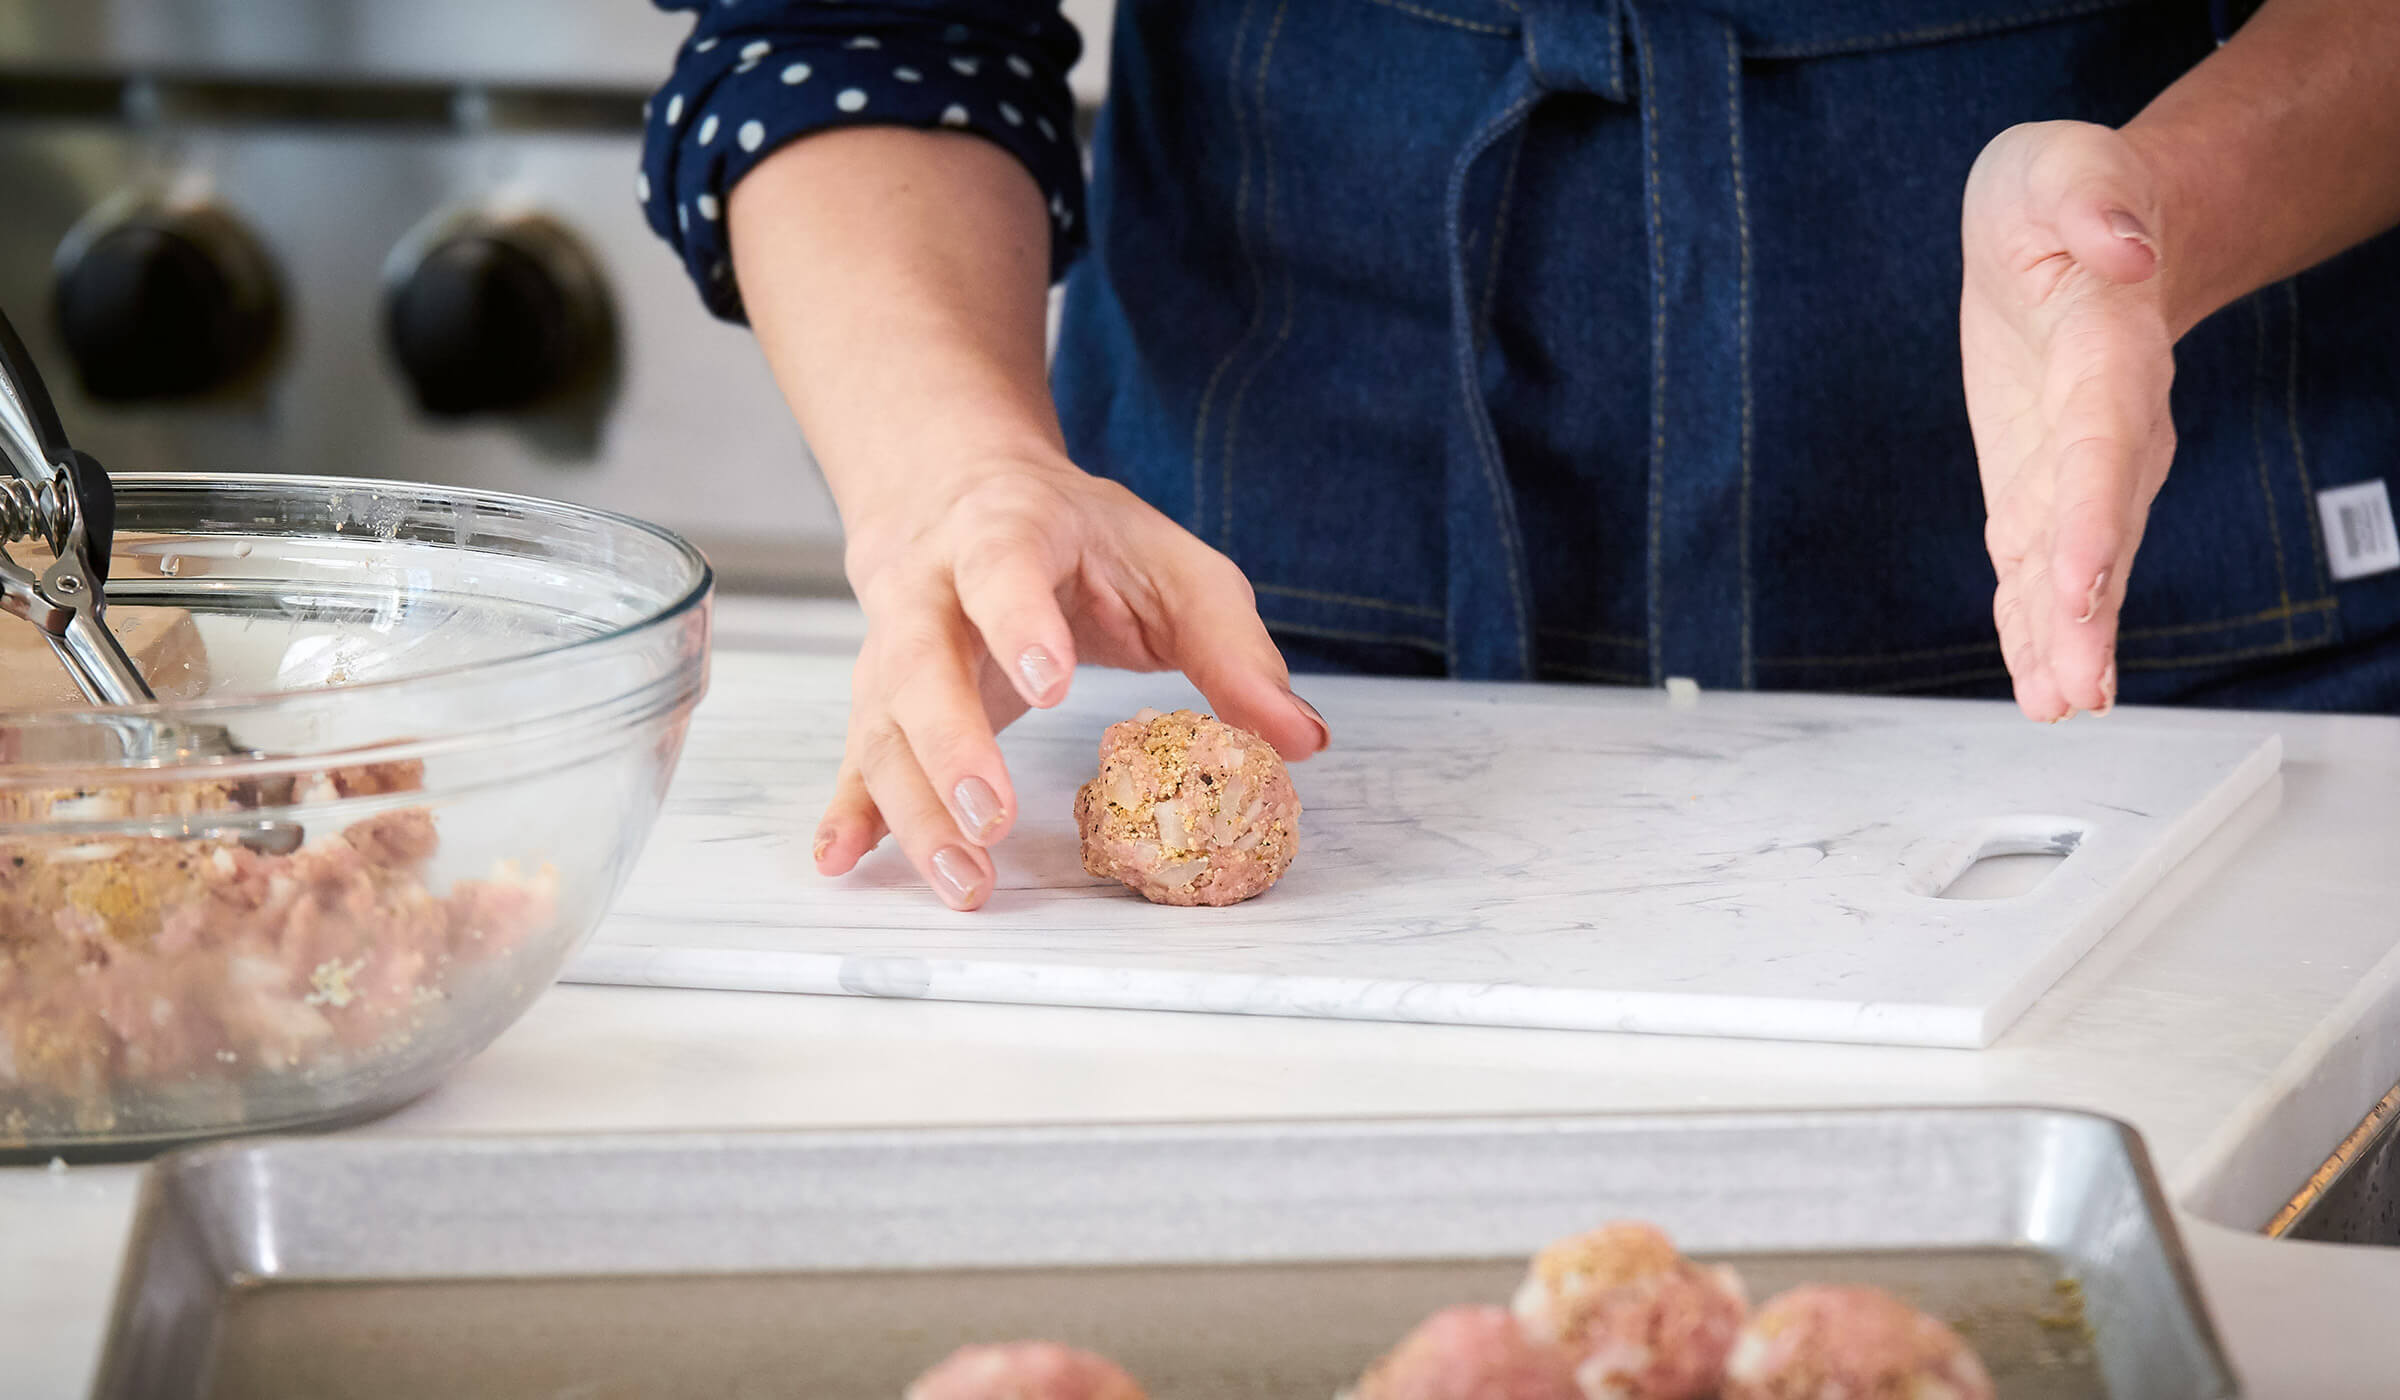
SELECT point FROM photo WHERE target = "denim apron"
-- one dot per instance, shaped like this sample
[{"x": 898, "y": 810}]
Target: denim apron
[{"x": 1612, "y": 340}]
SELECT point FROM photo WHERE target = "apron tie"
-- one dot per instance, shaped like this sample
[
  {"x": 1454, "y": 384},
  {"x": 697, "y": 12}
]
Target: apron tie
[
  {"x": 1487, "y": 572},
  {"x": 1676, "y": 69},
  {"x": 1576, "y": 45}
]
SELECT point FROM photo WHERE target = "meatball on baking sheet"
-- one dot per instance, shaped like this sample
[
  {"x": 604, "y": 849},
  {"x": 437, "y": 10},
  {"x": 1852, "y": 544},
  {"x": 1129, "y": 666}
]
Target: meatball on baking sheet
[
  {"x": 1391, "y": 1261},
  {"x": 1303, "y": 1331}
]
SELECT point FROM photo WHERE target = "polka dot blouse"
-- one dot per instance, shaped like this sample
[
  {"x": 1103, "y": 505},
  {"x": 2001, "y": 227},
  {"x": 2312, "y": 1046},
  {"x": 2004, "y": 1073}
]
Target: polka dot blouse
[{"x": 757, "y": 73}]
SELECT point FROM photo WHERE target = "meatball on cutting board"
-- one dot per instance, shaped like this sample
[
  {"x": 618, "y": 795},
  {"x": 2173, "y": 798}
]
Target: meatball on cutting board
[{"x": 1188, "y": 809}]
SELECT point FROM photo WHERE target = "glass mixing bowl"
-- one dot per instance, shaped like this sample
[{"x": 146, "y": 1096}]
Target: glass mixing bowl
[{"x": 454, "y": 714}]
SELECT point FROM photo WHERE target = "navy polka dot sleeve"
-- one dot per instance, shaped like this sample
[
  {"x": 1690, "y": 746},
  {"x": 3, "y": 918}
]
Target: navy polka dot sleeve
[{"x": 756, "y": 73}]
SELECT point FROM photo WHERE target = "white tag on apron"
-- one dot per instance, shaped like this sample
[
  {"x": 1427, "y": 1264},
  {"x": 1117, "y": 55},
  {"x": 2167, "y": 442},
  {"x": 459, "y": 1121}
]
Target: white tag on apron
[{"x": 2359, "y": 538}]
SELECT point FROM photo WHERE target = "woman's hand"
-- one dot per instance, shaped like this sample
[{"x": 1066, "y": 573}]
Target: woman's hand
[
  {"x": 896, "y": 281},
  {"x": 2089, "y": 252},
  {"x": 981, "y": 595},
  {"x": 2068, "y": 354}
]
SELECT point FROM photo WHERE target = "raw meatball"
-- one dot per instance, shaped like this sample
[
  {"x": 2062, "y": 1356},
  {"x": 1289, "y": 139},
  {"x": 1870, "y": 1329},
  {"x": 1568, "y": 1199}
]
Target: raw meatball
[
  {"x": 1469, "y": 1353},
  {"x": 1823, "y": 1342},
  {"x": 1640, "y": 1321},
  {"x": 1188, "y": 810},
  {"x": 1025, "y": 1371}
]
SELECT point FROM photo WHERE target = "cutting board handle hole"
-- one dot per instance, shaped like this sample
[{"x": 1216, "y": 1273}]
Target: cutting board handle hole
[{"x": 2003, "y": 859}]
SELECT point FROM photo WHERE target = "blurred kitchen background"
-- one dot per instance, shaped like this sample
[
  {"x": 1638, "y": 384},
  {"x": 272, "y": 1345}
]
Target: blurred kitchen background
[{"x": 391, "y": 238}]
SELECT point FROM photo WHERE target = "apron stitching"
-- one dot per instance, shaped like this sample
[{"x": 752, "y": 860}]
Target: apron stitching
[
  {"x": 2185, "y": 629},
  {"x": 2169, "y": 663},
  {"x": 1241, "y": 237},
  {"x": 1741, "y": 221},
  {"x": 1658, "y": 353},
  {"x": 1973, "y": 28},
  {"x": 2178, "y": 629},
  {"x": 1266, "y": 155},
  {"x": 1472, "y": 25},
  {"x": 1348, "y": 599},
  {"x": 1616, "y": 50},
  {"x": 2156, "y": 663},
  {"x": 2291, "y": 423},
  {"x": 1343, "y": 634},
  {"x": 1948, "y": 678},
  {"x": 1491, "y": 270},
  {"x": 2258, "y": 441},
  {"x": 1479, "y": 426},
  {"x": 1603, "y": 638},
  {"x": 1883, "y": 658},
  {"x": 1595, "y": 673},
  {"x": 1499, "y": 234}
]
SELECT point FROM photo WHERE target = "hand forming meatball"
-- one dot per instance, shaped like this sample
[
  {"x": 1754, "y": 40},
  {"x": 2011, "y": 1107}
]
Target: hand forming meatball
[
  {"x": 1640, "y": 1321},
  {"x": 1823, "y": 1342},
  {"x": 1187, "y": 809}
]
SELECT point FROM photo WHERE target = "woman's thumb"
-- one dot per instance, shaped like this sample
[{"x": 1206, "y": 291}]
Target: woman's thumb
[
  {"x": 2108, "y": 217},
  {"x": 2116, "y": 244},
  {"x": 2079, "y": 184},
  {"x": 2089, "y": 184}
]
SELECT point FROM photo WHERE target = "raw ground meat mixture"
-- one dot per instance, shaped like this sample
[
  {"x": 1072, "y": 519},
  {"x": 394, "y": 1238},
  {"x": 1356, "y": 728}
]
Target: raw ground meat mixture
[
  {"x": 1823, "y": 1340},
  {"x": 1472, "y": 1350},
  {"x": 1641, "y": 1321},
  {"x": 1187, "y": 809},
  {"x": 140, "y": 963}
]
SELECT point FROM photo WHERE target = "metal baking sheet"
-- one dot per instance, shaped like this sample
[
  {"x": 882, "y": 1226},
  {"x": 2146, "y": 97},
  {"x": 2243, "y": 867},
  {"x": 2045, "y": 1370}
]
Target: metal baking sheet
[
  {"x": 2354, "y": 1198},
  {"x": 1263, "y": 1259}
]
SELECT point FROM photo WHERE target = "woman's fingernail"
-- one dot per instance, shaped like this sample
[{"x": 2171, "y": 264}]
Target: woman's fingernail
[
  {"x": 978, "y": 807},
  {"x": 1324, "y": 730},
  {"x": 955, "y": 872},
  {"x": 1040, "y": 670},
  {"x": 2108, "y": 687},
  {"x": 2124, "y": 225},
  {"x": 2091, "y": 599},
  {"x": 824, "y": 844}
]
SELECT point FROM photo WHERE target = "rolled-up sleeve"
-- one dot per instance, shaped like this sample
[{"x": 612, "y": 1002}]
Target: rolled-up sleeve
[{"x": 757, "y": 73}]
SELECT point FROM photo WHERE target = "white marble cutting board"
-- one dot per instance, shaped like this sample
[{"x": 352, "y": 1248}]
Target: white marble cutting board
[{"x": 1748, "y": 865}]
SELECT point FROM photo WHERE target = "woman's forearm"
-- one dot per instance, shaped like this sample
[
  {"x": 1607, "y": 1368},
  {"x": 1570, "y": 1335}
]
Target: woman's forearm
[
  {"x": 897, "y": 281},
  {"x": 2277, "y": 151}
]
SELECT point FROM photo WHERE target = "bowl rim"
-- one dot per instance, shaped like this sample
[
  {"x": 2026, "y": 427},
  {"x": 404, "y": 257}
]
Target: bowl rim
[{"x": 703, "y": 584}]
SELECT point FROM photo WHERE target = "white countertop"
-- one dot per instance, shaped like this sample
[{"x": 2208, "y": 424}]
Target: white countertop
[{"x": 2243, "y": 1018}]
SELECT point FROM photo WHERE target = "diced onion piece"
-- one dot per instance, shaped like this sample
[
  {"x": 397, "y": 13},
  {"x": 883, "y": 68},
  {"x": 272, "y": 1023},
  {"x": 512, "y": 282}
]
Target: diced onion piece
[
  {"x": 1178, "y": 873},
  {"x": 1174, "y": 825}
]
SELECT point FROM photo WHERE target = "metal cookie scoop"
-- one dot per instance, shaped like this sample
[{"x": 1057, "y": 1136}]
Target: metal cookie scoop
[{"x": 60, "y": 497}]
